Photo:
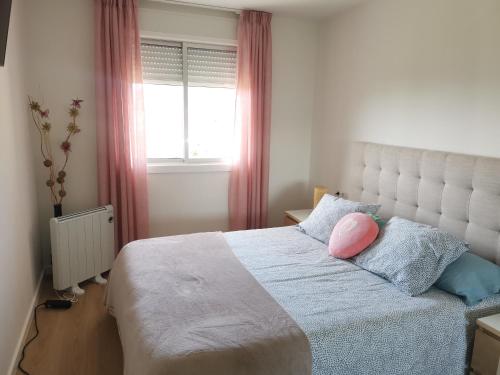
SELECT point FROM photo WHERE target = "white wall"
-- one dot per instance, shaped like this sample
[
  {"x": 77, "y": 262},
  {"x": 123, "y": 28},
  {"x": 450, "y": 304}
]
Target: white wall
[
  {"x": 191, "y": 202},
  {"x": 61, "y": 67},
  {"x": 187, "y": 202},
  {"x": 20, "y": 256},
  {"x": 294, "y": 77},
  {"x": 420, "y": 73}
]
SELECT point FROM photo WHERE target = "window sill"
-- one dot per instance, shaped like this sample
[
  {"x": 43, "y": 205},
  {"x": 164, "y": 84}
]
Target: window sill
[{"x": 156, "y": 168}]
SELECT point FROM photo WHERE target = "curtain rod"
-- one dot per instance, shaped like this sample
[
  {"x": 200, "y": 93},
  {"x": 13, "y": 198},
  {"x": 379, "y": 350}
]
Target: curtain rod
[{"x": 197, "y": 5}]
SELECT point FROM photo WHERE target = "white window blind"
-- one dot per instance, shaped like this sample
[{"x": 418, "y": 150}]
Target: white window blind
[
  {"x": 161, "y": 62},
  {"x": 211, "y": 67}
]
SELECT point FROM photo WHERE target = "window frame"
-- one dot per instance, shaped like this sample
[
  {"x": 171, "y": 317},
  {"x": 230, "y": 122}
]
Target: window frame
[{"x": 187, "y": 164}]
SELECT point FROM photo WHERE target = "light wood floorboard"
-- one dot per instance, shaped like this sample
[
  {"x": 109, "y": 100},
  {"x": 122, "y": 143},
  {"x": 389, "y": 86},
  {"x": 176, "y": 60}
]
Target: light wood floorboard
[{"x": 80, "y": 341}]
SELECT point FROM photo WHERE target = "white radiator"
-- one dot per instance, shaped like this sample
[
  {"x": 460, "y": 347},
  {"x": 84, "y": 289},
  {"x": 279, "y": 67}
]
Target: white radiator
[{"x": 82, "y": 247}]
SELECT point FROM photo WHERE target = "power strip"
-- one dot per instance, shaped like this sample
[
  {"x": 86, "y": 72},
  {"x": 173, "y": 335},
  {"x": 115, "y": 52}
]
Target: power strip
[{"x": 57, "y": 304}]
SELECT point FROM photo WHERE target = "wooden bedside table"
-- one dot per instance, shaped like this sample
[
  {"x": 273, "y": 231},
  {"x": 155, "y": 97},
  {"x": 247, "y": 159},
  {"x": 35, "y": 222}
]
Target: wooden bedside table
[
  {"x": 294, "y": 217},
  {"x": 486, "y": 354}
]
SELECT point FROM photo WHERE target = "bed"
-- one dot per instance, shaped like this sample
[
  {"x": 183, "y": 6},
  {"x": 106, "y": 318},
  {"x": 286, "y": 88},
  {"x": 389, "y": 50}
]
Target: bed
[{"x": 314, "y": 314}]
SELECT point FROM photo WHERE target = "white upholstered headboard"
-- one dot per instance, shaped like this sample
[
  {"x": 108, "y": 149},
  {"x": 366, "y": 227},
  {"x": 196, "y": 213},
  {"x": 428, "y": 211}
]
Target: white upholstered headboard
[{"x": 457, "y": 193}]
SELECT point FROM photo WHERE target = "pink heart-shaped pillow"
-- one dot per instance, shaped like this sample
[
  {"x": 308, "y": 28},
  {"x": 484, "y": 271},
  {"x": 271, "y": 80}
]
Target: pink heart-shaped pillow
[{"x": 352, "y": 234}]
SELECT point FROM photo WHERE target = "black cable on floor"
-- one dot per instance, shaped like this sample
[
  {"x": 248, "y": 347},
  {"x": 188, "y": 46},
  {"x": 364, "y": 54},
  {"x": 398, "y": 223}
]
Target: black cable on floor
[{"x": 19, "y": 365}]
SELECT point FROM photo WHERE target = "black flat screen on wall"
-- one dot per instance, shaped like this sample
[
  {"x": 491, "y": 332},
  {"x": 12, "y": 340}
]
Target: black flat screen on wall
[{"x": 4, "y": 27}]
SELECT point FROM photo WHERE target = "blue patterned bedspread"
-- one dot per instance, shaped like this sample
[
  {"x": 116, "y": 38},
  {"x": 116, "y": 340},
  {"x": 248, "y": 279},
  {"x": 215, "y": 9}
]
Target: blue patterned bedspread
[{"x": 357, "y": 322}]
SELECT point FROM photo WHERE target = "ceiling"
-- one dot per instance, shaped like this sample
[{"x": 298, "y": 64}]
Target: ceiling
[{"x": 300, "y": 8}]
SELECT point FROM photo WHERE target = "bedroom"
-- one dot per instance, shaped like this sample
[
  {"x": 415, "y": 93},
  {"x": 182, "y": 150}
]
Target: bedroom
[{"x": 415, "y": 74}]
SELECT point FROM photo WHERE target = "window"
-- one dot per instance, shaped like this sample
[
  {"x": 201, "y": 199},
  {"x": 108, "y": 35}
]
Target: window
[{"x": 189, "y": 99}]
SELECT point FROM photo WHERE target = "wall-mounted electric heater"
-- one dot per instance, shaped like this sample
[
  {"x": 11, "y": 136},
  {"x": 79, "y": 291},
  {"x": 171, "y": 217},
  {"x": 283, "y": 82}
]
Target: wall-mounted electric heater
[{"x": 82, "y": 247}]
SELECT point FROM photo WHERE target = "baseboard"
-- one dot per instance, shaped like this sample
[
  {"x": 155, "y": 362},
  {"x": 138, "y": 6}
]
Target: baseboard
[{"x": 26, "y": 327}]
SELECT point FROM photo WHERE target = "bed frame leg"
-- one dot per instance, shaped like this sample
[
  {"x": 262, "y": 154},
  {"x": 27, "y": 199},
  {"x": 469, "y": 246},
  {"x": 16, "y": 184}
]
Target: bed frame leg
[{"x": 100, "y": 280}]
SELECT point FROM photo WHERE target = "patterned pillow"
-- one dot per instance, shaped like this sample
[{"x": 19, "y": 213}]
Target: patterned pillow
[
  {"x": 411, "y": 255},
  {"x": 328, "y": 212}
]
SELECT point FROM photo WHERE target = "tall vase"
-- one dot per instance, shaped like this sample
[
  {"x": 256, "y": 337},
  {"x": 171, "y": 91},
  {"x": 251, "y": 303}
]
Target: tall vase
[{"x": 57, "y": 210}]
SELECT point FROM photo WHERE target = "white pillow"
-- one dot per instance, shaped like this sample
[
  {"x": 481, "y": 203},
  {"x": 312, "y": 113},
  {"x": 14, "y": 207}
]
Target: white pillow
[
  {"x": 327, "y": 214},
  {"x": 411, "y": 255}
]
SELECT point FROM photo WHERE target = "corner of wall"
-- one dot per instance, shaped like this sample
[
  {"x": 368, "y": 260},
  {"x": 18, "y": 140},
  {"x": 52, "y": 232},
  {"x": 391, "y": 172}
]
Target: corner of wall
[{"x": 20, "y": 258}]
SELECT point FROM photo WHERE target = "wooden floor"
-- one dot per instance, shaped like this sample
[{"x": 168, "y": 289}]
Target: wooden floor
[{"x": 82, "y": 340}]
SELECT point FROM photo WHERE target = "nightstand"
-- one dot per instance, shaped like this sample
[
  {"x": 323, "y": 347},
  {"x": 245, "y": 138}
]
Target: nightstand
[
  {"x": 486, "y": 354},
  {"x": 294, "y": 217}
]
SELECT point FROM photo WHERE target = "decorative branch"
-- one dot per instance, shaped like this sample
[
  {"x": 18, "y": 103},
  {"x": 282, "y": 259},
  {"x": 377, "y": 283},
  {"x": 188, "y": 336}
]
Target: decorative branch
[{"x": 41, "y": 121}]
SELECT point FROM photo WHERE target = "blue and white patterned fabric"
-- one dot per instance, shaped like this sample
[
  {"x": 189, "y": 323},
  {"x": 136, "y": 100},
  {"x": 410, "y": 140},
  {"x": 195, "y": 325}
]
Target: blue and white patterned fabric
[
  {"x": 328, "y": 212},
  {"x": 358, "y": 322},
  {"x": 411, "y": 255}
]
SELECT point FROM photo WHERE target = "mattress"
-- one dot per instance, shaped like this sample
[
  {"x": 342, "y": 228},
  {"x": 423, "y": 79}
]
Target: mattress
[{"x": 357, "y": 322}]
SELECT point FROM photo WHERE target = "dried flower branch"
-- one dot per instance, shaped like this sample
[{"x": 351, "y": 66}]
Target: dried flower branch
[{"x": 41, "y": 121}]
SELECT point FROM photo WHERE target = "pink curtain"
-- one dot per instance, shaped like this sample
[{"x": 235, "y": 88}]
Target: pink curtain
[
  {"x": 249, "y": 181},
  {"x": 122, "y": 177}
]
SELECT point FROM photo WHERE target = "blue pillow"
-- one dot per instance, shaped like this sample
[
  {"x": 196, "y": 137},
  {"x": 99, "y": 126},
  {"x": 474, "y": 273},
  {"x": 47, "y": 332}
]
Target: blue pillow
[{"x": 470, "y": 277}]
